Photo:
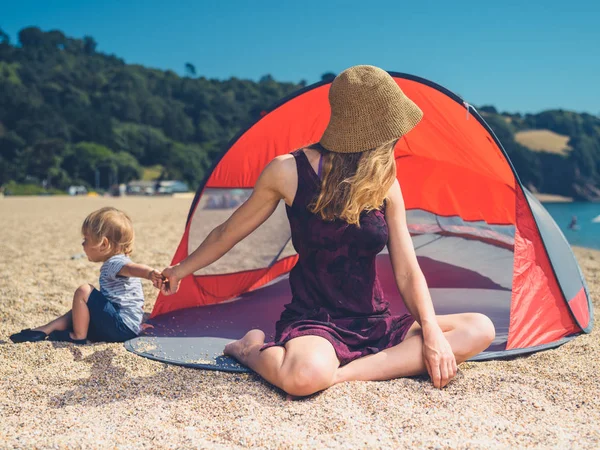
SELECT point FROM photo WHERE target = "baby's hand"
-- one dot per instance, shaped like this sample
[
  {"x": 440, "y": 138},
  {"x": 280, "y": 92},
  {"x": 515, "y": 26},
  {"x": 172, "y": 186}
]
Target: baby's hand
[{"x": 156, "y": 278}]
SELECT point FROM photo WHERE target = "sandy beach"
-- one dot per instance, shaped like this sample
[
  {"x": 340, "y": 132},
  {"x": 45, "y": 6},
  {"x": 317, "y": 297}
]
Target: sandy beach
[{"x": 56, "y": 395}]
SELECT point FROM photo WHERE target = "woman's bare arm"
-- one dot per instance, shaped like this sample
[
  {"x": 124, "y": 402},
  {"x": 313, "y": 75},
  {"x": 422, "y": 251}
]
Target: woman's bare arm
[
  {"x": 437, "y": 353},
  {"x": 409, "y": 277},
  {"x": 269, "y": 190}
]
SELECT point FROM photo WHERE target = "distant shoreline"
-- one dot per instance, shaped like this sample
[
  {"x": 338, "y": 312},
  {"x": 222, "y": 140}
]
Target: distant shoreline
[
  {"x": 548, "y": 198},
  {"x": 544, "y": 198}
]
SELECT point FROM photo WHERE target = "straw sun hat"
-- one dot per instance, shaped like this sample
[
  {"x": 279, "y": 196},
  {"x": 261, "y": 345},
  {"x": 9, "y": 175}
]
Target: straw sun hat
[{"x": 368, "y": 109}]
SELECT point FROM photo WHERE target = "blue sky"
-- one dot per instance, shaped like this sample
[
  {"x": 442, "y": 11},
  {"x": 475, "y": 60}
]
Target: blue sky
[{"x": 523, "y": 56}]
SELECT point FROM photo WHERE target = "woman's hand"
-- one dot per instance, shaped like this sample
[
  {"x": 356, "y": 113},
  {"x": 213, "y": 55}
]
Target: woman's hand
[
  {"x": 438, "y": 356},
  {"x": 171, "y": 280}
]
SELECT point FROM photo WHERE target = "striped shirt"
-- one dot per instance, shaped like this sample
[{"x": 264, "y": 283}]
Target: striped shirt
[{"x": 125, "y": 292}]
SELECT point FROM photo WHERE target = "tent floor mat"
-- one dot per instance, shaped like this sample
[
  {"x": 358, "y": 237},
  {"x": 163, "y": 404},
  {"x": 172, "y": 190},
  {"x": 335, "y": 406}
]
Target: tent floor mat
[
  {"x": 196, "y": 352},
  {"x": 196, "y": 336}
]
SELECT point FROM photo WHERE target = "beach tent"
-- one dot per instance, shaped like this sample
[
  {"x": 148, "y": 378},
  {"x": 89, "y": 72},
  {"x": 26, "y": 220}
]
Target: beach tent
[{"x": 483, "y": 241}]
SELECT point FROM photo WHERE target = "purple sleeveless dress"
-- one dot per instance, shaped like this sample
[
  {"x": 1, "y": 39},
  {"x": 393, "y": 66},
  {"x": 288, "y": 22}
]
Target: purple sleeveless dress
[{"x": 335, "y": 290}]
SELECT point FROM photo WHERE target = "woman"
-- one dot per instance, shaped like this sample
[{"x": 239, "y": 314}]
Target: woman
[{"x": 344, "y": 205}]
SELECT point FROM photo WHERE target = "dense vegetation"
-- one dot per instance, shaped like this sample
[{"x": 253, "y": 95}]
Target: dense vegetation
[
  {"x": 67, "y": 111},
  {"x": 69, "y": 114},
  {"x": 576, "y": 174}
]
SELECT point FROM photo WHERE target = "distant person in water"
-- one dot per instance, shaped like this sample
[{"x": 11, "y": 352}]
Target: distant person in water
[
  {"x": 113, "y": 313},
  {"x": 345, "y": 205},
  {"x": 573, "y": 225}
]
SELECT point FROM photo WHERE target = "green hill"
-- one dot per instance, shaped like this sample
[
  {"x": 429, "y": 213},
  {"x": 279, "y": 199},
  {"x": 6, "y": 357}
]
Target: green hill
[
  {"x": 555, "y": 152},
  {"x": 69, "y": 114},
  {"x": 65, "y": 109}
]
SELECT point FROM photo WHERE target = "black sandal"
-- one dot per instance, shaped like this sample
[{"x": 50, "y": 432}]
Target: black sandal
[
  {"x": 65, "y": 336},
  {"x": 28, "y": 335}
]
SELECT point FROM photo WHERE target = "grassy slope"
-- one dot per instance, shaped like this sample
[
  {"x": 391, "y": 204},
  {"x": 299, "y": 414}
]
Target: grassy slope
[{"x": 543, "y": 140}]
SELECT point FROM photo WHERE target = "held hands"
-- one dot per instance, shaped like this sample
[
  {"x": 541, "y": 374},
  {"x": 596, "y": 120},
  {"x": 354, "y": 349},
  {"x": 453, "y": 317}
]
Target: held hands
[
  {"x": 438, "y": 356},
  {"x": 157, "y": 279},
  {"x": 167, "y": 281},
  {"x": 171, "y": 281}
]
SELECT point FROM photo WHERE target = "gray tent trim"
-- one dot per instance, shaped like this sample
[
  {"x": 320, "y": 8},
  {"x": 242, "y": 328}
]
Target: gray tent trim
[{"x": 521, "y": 351}]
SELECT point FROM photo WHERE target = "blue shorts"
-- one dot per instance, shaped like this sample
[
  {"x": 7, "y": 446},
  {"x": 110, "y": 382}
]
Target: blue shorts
[{"x": 106, "y": 325}]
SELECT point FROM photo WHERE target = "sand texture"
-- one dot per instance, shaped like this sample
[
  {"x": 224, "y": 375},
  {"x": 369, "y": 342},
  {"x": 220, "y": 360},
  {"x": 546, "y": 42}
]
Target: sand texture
[{"x": 56, "y": 395}]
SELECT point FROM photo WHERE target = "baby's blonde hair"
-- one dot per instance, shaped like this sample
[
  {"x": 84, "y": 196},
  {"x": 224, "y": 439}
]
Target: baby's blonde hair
[{"x": 112, "y": 224}]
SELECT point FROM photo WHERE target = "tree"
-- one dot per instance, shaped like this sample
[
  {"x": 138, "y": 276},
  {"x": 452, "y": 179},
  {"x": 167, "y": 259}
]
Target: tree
[
  {"x": 152, "y": 110},
  {"x": 585, "y": 155},
  {"x": 328, "y": 76},
  {"x": 4, "y": 38},
  {"x": 85, "y": 158},
  {"x": 190, "y": 69},
  {"x": 11, "y": 147},
  {"x": 176, "y": 123},
  {"x": 31, "y": 37},
  {"x": 127, "y": 167},
  {"x": 44, "y": 157},
  {"x": 207, "y": 128},
  {"x": 55, "y": 39},
  {"x": 186, "y": 162},
  {"x": 89, "y": 45},
  {"x": 488, "y": 109},
  {"x": 147, "y": 144}
]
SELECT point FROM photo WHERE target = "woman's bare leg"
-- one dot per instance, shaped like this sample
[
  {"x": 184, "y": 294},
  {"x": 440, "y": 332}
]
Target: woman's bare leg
[
  {"x": 468, "y": 335},
  {"x": 306, "y": 364}
]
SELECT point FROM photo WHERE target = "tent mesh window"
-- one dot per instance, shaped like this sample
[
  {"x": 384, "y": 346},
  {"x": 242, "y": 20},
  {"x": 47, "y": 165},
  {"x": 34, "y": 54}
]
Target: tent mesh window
[{"x": 468, "y": 265}]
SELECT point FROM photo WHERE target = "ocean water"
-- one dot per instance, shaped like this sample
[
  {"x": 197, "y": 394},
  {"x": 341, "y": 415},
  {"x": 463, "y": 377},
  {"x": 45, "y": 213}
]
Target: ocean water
[{"x": 587, "y": 233}]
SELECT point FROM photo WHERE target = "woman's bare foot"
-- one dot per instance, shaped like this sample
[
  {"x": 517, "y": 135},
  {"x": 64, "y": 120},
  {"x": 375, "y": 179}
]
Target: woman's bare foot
[{"x": 241, "y": 348}]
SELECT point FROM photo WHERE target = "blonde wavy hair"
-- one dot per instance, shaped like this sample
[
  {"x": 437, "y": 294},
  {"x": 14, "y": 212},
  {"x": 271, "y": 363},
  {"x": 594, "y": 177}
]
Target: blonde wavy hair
[
  {"x": 354, "y": 182},
  {"x": 112, "y": 224}
]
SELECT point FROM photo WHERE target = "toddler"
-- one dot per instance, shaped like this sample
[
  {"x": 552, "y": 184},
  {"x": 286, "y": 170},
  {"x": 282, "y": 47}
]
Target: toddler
[{"x": 113, "y": 313}]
